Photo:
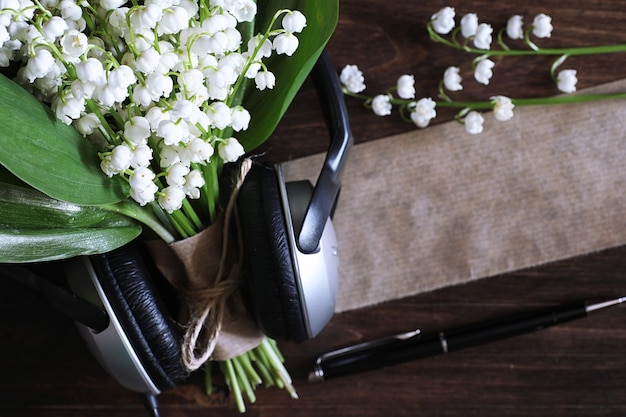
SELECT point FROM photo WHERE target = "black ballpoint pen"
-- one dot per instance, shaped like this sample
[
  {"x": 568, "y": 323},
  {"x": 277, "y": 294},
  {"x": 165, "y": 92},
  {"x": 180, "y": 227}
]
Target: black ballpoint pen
[{"x": 412, "y": 345}]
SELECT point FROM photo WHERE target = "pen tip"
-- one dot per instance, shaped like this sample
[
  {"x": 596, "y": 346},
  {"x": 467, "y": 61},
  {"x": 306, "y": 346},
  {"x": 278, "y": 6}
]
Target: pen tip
[{"x": 315, "y": 377}]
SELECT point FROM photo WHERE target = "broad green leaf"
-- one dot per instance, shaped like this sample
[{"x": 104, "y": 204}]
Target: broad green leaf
[
  {"x": 267, "y": 107},
  {"x": 49, "y": 155},
  {"x": 35, "y": 227}
]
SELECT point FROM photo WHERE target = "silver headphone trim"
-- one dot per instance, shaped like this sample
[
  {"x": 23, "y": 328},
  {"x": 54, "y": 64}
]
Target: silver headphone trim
[{"x": 113, "y": 339}]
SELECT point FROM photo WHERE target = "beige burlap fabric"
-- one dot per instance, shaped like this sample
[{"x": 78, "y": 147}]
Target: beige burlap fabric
[{"x": 437, "y": 207}]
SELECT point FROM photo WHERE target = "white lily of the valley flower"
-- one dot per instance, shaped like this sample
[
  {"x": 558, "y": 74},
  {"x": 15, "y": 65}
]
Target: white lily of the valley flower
[
  {"x": 474, "y": 122},
  {"x": 74, "y": 44},
  {"x": 285, "y": 43},
  {"x": 175, "y": 174},
  {"x": 230, "y": 150},
  {"x": 91, "y": 70},
  {"x": 87, "y": 124},
  {"x": 121, "y": 157},
  {"x": 381, "y": 105},
  {"x": 443, "y": 20},
  {"x": 193, "y": 181},
  {"x": 452, "y": 79},
  {"x": 352, "y": 79},
  {"x": 137, "y": 130},
  {"x": 265, "y": 79},
  {"x": 424, "y": 112},
  {"x": 70, "y": 10},
  {"x": 514, "y": 27},
  {"x": 482, "y": 40},
  {"x": 503, "y": 108},
  {"x": 171, "y": 198},
  {"x": 200, "y": 151},
  {"x": 483, "y": 71},
  {"x": 294, "y": 21},
  {"x": 142, "y": 156},
  {"x": 566, "y": 80},
  {"x": 240, "y": 118},
  {"x": 54, "y": 28},
  {"x": 173, "y": 132},
  {"x": 39, "y": 65},
  {"x": 469, "y": 24},
  {"x": 406, "y": 86},
  {"x": 542, "y": 26}
]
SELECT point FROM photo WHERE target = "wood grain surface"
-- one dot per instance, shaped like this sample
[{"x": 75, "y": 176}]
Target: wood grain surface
[{"x": 577, "y": 369}]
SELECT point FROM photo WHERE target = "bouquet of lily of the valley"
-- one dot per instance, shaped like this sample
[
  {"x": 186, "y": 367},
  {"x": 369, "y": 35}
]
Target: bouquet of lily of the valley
[{"x": 117, "y": 117}]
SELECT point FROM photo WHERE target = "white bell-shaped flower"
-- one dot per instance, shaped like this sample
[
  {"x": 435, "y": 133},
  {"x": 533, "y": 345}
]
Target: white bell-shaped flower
[
  {"x": 294, "y": 21},
  {"x": 171, "y": 198},
  {"x": 230, "y": 150}
]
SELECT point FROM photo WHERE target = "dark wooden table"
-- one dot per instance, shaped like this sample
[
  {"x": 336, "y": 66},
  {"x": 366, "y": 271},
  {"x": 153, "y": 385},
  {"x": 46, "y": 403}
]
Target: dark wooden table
[{"x": 577, "y": 369}]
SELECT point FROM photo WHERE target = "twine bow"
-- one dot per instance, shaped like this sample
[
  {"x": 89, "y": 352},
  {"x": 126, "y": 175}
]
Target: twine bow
[{"x": 218, "y": 325}]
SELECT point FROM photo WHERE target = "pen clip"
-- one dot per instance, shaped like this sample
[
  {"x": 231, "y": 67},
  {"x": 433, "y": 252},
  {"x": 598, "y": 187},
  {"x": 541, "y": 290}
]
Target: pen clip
[{"x": 368, "y": 345}]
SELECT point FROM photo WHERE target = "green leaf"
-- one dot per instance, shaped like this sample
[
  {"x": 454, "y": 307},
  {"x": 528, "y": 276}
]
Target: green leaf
[
  {"x": 48, "y": 154},
  {"x": 267, "y": 107},
  {"x": 35, "y": 227}
]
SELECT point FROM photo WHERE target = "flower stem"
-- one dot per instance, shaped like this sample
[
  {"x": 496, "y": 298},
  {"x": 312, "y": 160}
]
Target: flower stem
[{"x": 143, "y": 215}]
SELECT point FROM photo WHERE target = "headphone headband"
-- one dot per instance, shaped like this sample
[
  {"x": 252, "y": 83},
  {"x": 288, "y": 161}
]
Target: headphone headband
[{"x": 328, "y": 183}]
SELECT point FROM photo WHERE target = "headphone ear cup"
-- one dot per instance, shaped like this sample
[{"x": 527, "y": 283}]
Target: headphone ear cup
[
  {"x": 271, "y": 275},
  {"x": 155, "y": 336}
]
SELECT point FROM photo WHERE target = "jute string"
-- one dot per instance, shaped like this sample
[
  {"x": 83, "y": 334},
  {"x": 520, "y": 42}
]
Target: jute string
[
  {"x": 207, "y": 304},
  {"x": 207, "y": 270}
]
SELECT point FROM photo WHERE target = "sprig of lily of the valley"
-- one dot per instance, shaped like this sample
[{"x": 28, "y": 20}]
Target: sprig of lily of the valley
[{"x": 476, "y": 38}]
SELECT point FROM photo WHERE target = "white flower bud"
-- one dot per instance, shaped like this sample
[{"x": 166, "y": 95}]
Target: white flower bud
[
  {"x": 381, "y": 105},
  {"x": 443, "y": 20},
  {"x": 169, "y": 156},
  {"x": 145, "y": 195},
  {"x": 469, "y": 24},
  {"x": 200, "y": 151},
  {"x": 406, "y": 86},
  {"x": 121, "y": 156},
  {"x": 70, "y": 10},
  {"x": 91, "y": 70},
  {"x": 352, "y": 78},
  {"x": 483, "y": 71},
  {"x": 285, "y": 43},
  {"x": 474, "y": 122},
  {"x": 171, "y": 198},
  {"x": 452, "y": 79},
  {"x": 482, "y": 40},
  {"x": 503, "y": 108},
  {"x": 542, "y": 26},
  {"x": 111, "y": 4},
  {"x": 294, "y": 21},
  {"x": 87, "y": 124},
  {"x": 193, "y": 181},
  {"x": 141, "y": 178},
  {"x": 142, "y": 155},
  {"x": 148, "y": 61},
  {"x": 230, "y": 150},
  {"x": 174, "y": 20},
  {"x": 566, "y": 80},
  {"x": 265, "y": 79},
  {"x": 172, "y": 132},
  {"x": 424, "y": 112},
  {"x": 68, "y": 107},
  {"x": 137, "y": 130},
  {"x": 155, "y": 116},
  {"x": 175, "y": 174},
  {"x": 39, "y": 65},
  {"x": 220, "y": 115},
  {"x": 514, "y": 27},
  {"x": 240, "y": 118},
  {"x": 122, "y": 77},
  {"x": 54, "y": 28}
]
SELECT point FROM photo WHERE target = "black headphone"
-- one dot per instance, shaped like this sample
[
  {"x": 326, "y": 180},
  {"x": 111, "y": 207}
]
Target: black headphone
[{"x": 291, "y": 259}]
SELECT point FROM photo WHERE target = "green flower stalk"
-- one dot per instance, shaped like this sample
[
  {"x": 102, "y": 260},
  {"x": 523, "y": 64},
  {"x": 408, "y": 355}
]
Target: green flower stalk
[{"x": 476, "y": 38}]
